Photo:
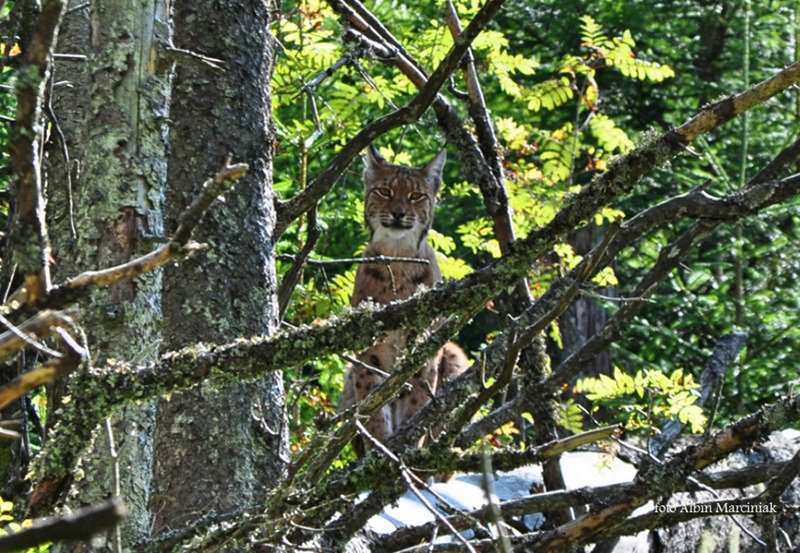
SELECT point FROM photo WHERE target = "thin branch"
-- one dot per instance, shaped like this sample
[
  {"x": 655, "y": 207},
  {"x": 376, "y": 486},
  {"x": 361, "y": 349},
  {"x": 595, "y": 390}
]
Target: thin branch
[
  {"x": 322, "y": 451},
  {"x": 112, "y": 452},
  {"x": 249, "y": 358},
  {"x": 662, "y": 480},
  {"x": 46, "y": 373},
  {"x": 382, "y": 259},
  {"x": 292, "y": 276},
  {"x": 38, "y": 346},
  {"x": 666, "y": 518},
  {"x": 31, "y": 332},
  {"x": 503, "y": 544},
  {"x": 478, "y": 110},
  {"x": 783, "y": 479},
  {"x": 181, "y": 55},
  {"x": 78, "y": 7},
  {"x": 405, "y": 474},
  {"x": 70, "y": 57},
  {"x": 563, "y": 499},
  {"x": 632, "y": 526},
  {"x": 434, "y": 459}
]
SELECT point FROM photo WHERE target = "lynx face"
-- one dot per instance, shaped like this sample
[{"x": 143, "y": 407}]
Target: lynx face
[{"x": 399, "y": 201}]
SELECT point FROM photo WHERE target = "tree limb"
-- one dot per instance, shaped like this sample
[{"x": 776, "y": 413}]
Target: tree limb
[
  {"x": 28, "y": 239},
  {"x": 46, "y": 373},
  {"x": 80, "y": 525},
  {"x": 725, "y": 353}
]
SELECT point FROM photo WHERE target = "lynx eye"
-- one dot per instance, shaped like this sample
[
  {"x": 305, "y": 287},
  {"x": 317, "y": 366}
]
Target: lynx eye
[
  {"x": 385, "y": 193},
  {"x": 416, "y": 197}
]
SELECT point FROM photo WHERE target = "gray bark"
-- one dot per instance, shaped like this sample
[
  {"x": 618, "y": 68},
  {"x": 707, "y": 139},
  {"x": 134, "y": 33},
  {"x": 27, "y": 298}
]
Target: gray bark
[
  {"x": 585, "y": 316},
  {"x": 113, "y": 117},
  {"x": 221, "y": 450}
]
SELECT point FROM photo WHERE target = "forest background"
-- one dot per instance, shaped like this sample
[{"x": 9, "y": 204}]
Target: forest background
[{"x": 584, "y": 98}]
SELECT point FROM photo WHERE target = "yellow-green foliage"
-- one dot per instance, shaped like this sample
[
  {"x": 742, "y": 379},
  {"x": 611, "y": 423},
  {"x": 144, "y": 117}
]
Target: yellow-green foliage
[
  {"x": 618, "y": 53},
  {"x": 553, "y": 138},
  {"x": 8, "y": 525},
  {"x": 648, "y": 398}
]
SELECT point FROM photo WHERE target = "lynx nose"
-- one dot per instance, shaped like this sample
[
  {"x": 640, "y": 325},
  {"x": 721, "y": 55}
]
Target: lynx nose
[{"x": 398, "y": 214}]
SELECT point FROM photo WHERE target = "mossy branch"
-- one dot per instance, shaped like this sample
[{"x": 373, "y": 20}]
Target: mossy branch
[{"x": 29, "y": 241}]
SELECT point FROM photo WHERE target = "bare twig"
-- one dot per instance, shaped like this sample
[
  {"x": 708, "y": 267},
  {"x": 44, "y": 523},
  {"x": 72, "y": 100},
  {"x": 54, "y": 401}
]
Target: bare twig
[
  {"x": 503, "y": 544},
  {"x": 180, "y": 55},
  {"x": 322, "y": 451},
  {"x": 783, "y": 479},
  {"x": 383, "y": 259},
  {"x": 292, "y": 276},
  {"x": 31, "y": 331},
  {"x": 410, "y": 483},
  {"x": 112, "y": 451},
  {"x": 725, "y": 353},
  {"x": 46, "y": 373},
  {"x": 39, "y": 346}
]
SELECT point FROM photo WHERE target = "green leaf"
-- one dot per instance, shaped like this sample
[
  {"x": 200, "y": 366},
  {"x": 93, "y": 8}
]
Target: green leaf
[{"x": 549, "y": 94}]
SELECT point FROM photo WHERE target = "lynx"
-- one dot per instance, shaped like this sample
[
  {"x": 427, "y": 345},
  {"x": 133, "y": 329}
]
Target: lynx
[{"x": 398, "y": 209}]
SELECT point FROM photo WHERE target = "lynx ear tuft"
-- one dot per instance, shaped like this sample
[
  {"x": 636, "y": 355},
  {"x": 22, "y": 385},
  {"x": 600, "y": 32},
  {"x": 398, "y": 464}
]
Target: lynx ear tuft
[
  {"x": 433, "y": 170},
  {"x": 373, "y": 161}
]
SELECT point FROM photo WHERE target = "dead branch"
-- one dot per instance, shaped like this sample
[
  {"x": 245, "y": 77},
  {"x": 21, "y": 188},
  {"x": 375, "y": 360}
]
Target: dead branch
[
  {"x": 783, "y": 479},
  {"x": 48, "y": 372},
  {"x": 81, "y": 525},
  {"x": 663, "y": 480},
  {"x": 181, "y": 55},
  {"x": 474, "y": 159},
  {"x": 432, "y": 459},
  {"x": 723, "y": 507},
  {"x": 475, "y": 166},
  {"x": 248, "y": 358},
  {"x": 292, "y": 276},
  {"x": 361, "y": 329},
  {"x": 562, "y": 499},
  {"x": 411, "y": 485},
  {"x": 668, "y": 258},
  {"x": 323, "y": 450},
  {"x": 31, "y": 331}
]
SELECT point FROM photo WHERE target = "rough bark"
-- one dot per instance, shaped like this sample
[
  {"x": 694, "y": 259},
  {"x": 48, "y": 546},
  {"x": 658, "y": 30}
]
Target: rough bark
[
  {"x": 113, "y": 118},
  {"x": 585, "y": 317},
  {"x": 231, "y": 290}
]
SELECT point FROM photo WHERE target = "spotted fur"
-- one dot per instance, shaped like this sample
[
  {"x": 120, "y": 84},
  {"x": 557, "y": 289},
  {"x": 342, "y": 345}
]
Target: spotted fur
[{"x": 399, "y": 203}]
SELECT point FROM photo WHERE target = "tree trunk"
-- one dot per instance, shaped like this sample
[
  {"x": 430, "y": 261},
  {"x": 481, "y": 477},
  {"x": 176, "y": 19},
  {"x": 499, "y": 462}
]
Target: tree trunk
[
  {"x": 114, "y": 119},
  {"x": 221, "y": 450},
  {"x": 585, "y": 316}
]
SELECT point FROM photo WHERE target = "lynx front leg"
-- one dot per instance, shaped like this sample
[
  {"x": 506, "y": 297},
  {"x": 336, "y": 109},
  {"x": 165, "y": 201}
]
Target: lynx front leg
[
  {"x": 363, "y": 380},
  {"x": 422, "y": 386}
]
